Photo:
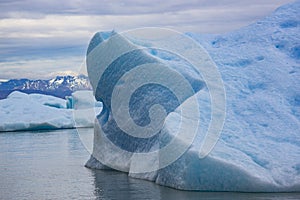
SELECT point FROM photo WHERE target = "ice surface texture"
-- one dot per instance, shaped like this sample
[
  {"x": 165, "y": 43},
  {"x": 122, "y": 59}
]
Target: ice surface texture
[
  {"x": 85, "y": 108},
  {"x": 259, "y": 148}
]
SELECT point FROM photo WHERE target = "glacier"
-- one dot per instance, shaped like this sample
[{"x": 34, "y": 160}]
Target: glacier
[
  {"x": 20, "y": 111},
  {"x": 259, "y": 147}
]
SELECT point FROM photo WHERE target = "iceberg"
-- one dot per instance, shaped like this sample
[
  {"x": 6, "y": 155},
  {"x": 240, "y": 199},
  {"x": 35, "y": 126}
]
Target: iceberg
[
  {"x": 85, "y": 108},
  {"x": 20, "y": 111},
  {"x": 82, "y": 99},
  {"x": 259, "y": 146}
]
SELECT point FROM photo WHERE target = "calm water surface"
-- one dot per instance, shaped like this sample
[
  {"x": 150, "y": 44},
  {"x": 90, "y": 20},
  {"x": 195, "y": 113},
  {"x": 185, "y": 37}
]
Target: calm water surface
[{"x": 50, "y": 165}]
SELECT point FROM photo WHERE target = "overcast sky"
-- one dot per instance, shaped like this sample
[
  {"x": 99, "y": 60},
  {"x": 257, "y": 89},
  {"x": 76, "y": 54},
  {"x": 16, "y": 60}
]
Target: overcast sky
[{"x": 43, "y": 38}]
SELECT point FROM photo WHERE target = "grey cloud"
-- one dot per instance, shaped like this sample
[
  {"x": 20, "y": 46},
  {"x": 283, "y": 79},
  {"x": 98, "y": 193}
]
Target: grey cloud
[
  {"x": 51, "y": 35},
  {"x": 43, "y": 29},
  {"x": 81, "y": 7},
  {"x": 39, "y": 8}
]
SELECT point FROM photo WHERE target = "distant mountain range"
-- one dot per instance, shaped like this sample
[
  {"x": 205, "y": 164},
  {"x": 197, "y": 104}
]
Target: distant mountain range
[{"x": 60, "y": 86}]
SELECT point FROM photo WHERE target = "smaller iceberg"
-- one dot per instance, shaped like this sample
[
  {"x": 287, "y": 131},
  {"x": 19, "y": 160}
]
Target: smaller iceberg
[
  {"x": 85, "y": 108},
  {"x": 20, "y": 111}
]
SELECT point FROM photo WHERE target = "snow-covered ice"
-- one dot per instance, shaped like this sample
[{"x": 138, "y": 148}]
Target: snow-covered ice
[
  {"x": 46, "y": 100},
  {"x": 20, "y": 111},
  {"x": 85, "y": 108},
  {"x": 82, "y": 99},
  {"x": 259, "y": 148}
]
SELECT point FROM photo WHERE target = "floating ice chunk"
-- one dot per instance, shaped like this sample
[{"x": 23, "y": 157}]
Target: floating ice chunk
[
  {"x": 85, "y": 107},
  {"x": 21, "y": 111},
  {"x": 83, "y": 99}
]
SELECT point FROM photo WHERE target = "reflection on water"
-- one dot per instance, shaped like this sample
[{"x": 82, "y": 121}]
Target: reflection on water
[
  {"x": 116, "y": 185},
  {"x": 50, "y": 165}
]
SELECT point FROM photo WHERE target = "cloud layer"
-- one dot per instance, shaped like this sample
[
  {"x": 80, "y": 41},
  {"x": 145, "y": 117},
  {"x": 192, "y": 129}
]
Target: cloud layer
[{"x": 36, "y": 30}]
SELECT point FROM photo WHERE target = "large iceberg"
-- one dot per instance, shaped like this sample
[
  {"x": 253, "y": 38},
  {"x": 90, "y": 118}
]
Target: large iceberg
[{"x": 259, "y": 146}]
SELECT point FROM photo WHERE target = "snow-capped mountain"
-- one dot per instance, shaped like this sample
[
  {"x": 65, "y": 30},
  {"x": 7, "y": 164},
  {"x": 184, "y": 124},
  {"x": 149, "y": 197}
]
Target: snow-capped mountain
[{"x": 59, "y": 86}]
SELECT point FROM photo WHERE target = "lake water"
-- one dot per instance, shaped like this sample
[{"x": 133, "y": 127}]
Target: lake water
[{"x": 50, "y": 165}]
